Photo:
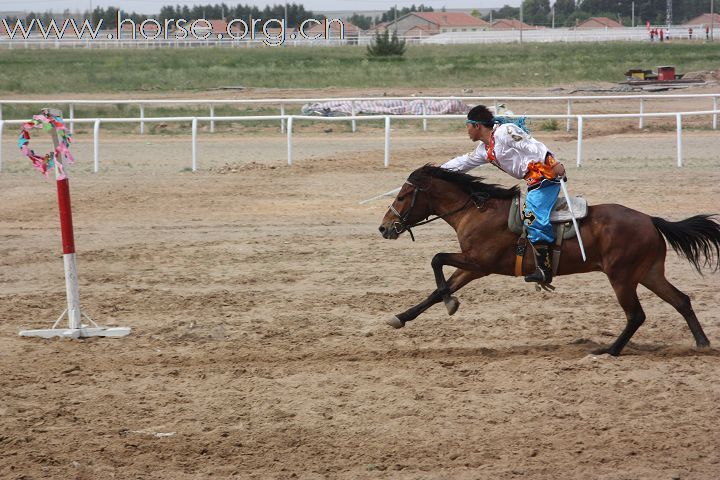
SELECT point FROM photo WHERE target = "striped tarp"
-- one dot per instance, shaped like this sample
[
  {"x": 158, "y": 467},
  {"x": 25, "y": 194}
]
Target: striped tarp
[{"x": 391, "y": 107}]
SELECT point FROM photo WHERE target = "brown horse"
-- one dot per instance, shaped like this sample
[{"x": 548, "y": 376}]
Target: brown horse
[{"x": 626, "y": 245}]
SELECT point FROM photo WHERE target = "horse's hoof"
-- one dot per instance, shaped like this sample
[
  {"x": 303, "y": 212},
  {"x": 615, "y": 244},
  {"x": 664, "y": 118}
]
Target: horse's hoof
[
  {"x": 395, "y": 322},
  {"x": 452, "y": 305},
  {"x": 604, "y": 351}
]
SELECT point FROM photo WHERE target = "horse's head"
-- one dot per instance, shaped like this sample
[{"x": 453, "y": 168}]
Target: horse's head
[
  {"x": 411, "y": 206},
  {"x": 432, "y": 190}
]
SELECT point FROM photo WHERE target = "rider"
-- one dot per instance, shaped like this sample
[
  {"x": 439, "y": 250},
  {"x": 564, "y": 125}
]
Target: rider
[{"x": 511, "y": 148}]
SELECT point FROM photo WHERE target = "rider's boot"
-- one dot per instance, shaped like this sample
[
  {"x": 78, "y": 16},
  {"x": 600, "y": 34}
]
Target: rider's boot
[{"x": 543, "y": 272}]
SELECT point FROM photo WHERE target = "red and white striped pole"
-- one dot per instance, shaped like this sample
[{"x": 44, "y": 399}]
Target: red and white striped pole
[
  {"x": 68, "y": 240},
  {"x": 75, "y": 327}
]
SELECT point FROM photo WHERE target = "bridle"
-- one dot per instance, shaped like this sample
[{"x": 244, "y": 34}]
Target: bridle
[{"x": 402, "y": 225}]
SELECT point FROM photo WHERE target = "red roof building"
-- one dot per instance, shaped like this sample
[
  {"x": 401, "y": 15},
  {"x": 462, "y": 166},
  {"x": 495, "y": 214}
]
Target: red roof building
[
  {"x": 705, "y": 19},
  {"x": 510, "y": 24},
  {"x": 431, "y": 23},
  {"x": 598, "y": 22}
]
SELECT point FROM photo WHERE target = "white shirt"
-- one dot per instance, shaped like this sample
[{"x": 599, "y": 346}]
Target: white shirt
[{"x": 514, "y": 150}]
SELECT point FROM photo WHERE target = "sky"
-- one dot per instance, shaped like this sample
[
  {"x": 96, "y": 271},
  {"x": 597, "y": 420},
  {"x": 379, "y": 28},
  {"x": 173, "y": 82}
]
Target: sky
[{"x": 153, "y": 6}]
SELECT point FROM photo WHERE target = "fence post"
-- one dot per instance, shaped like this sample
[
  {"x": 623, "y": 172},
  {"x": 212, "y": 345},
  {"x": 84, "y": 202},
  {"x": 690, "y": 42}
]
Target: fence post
[
  {"x": 642, "y": 112},
  {"x": 424, "y": 112},
  {"x": 569, "y": 112},
  {"x": 715, "y": 115},
  {"x": 2, "y": 123},
  {"x": 212, "y": 122},
  {"x": 579, "y": 140},
  {"x": 352, "y": 112},
  {"x": 678, "y": 122},
  {"x": 142, "y": 116},
  {"x": 72, "y": 117},
  {"x": 96, "y": 146},
  {"x": 194, "y": 144},
  {"x": 387, "y": 141},
  {"x": 289, "y": 139},
  {"x": 282, "y": 120}
]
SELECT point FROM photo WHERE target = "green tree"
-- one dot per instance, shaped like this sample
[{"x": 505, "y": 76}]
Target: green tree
[
  {"x": 536, "y": 12},
  {"x": 505, "y": 12},
  {"x": 390, "y": 15},
  {"x": 563, "y": 10},
  {"x": 361, "y": 21},
  {"x": 386, "y": 46}
]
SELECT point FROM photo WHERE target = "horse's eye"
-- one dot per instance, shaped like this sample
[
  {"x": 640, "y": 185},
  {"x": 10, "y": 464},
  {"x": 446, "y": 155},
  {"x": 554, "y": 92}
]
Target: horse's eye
[{"x": 400, "y": 198}]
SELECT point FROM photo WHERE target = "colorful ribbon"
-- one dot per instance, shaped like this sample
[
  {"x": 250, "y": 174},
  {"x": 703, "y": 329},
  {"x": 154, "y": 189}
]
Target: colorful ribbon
[{"x": 47, "y": 161}]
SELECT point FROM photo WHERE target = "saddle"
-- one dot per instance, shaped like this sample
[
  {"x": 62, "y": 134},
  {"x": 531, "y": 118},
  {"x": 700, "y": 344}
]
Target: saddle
[
  {"x": 561, "y": 219},
  {"x": 560, "y": 215}
]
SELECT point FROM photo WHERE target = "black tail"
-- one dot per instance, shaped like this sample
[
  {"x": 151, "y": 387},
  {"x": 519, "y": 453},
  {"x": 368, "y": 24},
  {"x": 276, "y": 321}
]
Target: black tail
[{"x": 694, "y": 238}]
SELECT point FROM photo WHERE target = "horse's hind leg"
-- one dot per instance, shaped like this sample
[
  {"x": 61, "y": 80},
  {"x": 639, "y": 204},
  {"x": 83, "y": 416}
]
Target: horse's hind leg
[
  {"x": 656, "y": 282},
  {"x": 627, "y": 297},
  {"x": 457, "y": 280}
]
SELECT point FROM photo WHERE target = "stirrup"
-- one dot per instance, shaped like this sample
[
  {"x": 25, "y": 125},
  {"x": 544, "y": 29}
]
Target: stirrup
[{"x": 540, "y": 276}]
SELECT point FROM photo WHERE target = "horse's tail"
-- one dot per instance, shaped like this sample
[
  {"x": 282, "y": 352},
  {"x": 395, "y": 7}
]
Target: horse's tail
[{"x": 694, "y": 238}]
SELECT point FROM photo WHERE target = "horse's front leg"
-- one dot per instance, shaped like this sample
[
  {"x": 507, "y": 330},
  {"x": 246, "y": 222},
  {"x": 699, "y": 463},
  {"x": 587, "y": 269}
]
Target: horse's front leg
[
  {"x": 457, "y": 280},
  {"x": 458, "y": 260}
]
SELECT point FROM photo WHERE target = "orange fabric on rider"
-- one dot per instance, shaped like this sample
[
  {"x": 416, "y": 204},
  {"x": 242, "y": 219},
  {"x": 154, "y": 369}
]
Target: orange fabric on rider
[{"x": 538, "y": 170}]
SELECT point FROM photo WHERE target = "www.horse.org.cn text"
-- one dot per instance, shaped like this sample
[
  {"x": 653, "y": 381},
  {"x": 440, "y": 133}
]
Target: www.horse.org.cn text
[{"x": 272, "y": 32}]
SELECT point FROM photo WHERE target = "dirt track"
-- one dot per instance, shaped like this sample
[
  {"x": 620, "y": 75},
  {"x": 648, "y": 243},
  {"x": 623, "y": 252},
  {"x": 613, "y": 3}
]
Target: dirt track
[{"x": 257, "y": 300}]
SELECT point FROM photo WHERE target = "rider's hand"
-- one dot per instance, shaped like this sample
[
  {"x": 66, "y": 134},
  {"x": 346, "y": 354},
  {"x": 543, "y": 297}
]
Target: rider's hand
[{"x": 559, "y": 170}]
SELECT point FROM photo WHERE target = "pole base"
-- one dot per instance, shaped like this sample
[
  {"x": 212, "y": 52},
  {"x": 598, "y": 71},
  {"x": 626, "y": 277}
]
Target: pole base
[{"x": 81, "y": 332}]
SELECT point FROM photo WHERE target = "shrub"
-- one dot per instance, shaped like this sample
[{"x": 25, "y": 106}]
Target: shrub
[
  {"x": 386, "y": 46},
  {"x": 550, "y": 124}
]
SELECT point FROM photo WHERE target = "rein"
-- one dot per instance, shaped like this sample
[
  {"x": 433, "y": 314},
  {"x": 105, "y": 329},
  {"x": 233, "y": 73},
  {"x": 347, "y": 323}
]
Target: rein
[{"x": 401, "y": 225}]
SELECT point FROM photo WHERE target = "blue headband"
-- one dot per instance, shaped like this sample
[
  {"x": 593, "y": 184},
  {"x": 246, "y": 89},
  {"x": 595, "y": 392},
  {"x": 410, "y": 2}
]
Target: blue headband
[{"x": 520, "y": 122}]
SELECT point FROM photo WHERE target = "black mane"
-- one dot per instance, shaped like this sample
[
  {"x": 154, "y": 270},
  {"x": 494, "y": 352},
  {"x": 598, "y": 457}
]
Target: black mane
[{"x": 468, "y": 183}]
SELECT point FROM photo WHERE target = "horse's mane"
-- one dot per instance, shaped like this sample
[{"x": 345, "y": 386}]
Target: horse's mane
[{"x": 468, "y": 183}]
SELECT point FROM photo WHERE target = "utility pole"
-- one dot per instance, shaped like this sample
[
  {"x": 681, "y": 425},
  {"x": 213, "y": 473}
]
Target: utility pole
[
  {"x": 632, "y": 23},
  {"x": 521, "y": 21},
  {"x": 668, "y": 13},
  {"x": 553, "y": 16}
]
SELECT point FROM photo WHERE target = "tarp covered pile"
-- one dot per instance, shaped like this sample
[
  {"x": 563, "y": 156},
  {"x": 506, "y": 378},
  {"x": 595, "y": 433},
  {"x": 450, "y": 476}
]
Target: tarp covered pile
[{"x": 342, "y": 108}]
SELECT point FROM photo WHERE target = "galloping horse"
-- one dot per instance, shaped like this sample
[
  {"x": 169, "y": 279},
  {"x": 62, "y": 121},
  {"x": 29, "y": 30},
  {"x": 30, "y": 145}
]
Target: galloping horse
[{"x": 626, "y": 245}]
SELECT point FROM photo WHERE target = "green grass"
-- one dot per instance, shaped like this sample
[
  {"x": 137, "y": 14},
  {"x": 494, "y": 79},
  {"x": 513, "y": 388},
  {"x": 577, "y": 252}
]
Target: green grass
[{"x": 52, "y": 72}]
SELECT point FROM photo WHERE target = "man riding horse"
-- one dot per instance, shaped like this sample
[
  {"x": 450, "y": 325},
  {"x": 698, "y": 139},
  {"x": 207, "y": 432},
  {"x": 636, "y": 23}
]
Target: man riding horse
[{"x": 511, "y": 148}]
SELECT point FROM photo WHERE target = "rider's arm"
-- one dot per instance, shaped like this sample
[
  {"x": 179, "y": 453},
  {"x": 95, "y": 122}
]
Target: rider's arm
[{"x": 466, "y": 162}]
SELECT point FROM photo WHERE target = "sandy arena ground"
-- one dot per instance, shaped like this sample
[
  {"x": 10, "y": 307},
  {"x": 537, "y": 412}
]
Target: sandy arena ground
[{"x": 257, "y": 299}]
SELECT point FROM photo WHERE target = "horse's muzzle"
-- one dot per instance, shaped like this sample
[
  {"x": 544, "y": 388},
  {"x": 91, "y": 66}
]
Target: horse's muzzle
[{"x": 389, "y": 231}]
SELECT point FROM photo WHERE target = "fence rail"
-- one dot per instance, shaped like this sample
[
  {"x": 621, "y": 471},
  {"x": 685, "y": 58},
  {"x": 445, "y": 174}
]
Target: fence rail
[
  {"x": 292, "y": 119},
  {"x": 281, "y": 103}
]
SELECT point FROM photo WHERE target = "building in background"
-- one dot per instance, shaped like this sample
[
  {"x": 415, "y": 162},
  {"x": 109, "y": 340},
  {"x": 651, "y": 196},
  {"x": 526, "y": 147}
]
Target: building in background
[
  {"x": 598, "y": 22},
  {"x": 511, "y": 24},
  {"x": 432, "y": 23}
]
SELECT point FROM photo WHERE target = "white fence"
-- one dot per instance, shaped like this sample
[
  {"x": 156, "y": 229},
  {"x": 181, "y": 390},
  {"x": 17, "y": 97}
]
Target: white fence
[
  {"x": 281, "y": 103},
  {"x": 566, "y": 35},
  {"x": 291, "y": 119}
]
